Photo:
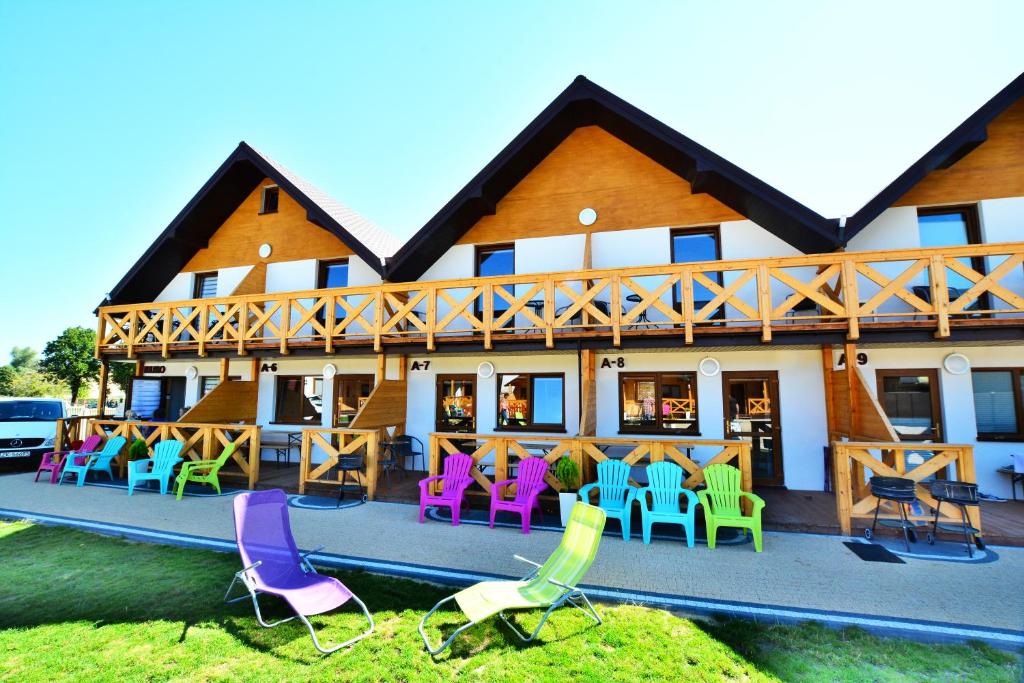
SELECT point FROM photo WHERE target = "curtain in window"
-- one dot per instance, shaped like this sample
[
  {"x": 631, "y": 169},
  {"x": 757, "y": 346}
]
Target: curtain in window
[{"x": 993, "y": 403}]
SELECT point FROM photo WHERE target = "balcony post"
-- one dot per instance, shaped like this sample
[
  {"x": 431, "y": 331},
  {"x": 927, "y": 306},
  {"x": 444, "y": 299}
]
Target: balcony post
[{"x": 101, "y": 402}]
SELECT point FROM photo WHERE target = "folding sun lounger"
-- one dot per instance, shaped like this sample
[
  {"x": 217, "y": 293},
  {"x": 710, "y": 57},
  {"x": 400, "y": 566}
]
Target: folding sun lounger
[
  {"x": 550, "y": 585},
  {"x": 273, "y": 565}
]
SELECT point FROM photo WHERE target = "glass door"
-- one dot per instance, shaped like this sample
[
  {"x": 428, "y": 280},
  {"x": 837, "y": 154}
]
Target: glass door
[
  {"x": 752, "y": 414},
  {"x": 910, "y": 399}
]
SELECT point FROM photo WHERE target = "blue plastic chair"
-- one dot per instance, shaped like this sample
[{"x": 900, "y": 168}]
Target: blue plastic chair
[
  {"x": 665, "y": 485},
  {"x": 615, "y": 494},
  {"x": 98, "y": 462},
  {"x": 159, "y": 468}
]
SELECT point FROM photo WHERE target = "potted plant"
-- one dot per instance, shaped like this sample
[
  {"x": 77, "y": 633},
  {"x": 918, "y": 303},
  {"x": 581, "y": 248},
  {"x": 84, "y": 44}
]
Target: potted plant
[
  {"x": 567, "y": 472},
  {"x": 139, "y": 450}
]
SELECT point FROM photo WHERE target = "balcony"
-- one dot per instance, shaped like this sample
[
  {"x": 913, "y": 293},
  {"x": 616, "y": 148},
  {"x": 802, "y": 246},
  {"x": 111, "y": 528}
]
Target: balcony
[{"x": 935, "y": 290}]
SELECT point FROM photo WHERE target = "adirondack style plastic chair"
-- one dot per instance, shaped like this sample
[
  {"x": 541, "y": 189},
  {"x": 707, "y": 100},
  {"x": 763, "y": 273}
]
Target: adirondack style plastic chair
[
  {"x": 273, "y": 565},
  {"x": 529, "y": 484},
  {"x": 615, "y": 494},
  {"x": 82, "y": 463},
  {"x": 53, "y": 462},
  {"x": 721, "y": 501},
  {"x": 551, "y": 585},
  {"x": 455, "y": 480},
  {"x": 202, "y": 471},
  {"x": 158, "y": 468},
  {"x": 659, "y": 500}
]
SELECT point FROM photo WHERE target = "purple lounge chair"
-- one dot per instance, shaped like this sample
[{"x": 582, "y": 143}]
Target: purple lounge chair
[
  {"x": 528, "y": 486},
  {"x": 273, "y": 565},
  {"x": 53, "y": 462},
  {"x": 456, "y": 479}
]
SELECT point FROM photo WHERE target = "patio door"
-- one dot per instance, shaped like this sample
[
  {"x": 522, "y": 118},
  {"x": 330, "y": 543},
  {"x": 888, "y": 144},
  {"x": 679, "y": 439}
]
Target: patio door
[
  {"x": 910, "y": 399},
  {"x": 752, "y": 414}
]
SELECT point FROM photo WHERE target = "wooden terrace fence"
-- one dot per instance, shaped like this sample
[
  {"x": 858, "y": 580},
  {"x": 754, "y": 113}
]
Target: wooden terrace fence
[
  {"x": 201, "y": 442},
  {"x": 337, "y": 443},
  {"x": 931, "y": 288},
  {"x": 856, "y": 462},
  {"x": 496, "y": 452}
]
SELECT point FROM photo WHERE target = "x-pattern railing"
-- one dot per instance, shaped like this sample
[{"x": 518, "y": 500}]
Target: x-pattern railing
[{"x": 844, "y": 290}]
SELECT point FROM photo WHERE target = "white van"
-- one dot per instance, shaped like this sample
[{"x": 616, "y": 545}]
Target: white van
[{"x": 28, "y": 427}]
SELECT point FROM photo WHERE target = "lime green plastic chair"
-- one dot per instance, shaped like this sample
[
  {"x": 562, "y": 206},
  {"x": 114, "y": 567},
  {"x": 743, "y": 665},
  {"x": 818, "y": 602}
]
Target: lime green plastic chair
[
  {"x": 721, "y": 501},
  {"x": 552, "y": 584},
  {"x": 202, "y": 471}
]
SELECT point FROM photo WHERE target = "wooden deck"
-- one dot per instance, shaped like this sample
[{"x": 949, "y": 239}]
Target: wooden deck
[{"x": 800, "y": 511}]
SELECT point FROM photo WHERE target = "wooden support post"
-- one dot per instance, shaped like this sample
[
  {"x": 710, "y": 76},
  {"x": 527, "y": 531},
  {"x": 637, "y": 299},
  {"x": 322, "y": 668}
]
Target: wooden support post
[
  {"x": 853, "y": 388},
  {"x": 304, "y": 462},
  {"x": 382, "y": 368},
  {"x": 254, "y": 460},
  {"x": 764, "y": 301},
  {"x": 844, "y": 494},
  {"x": 372, "y": 460},
  {"x": 940, "y": 294},
  {"x": 826, "y": 371},
  {"x": 285, "y": 328},
  {"x": 851, "y": 297},
  {"x": 224, "y": 369},
  {"x": 254, "y": 370},
  {"x": 403, "y": 366},
  {"x": 101, "y": 402}
]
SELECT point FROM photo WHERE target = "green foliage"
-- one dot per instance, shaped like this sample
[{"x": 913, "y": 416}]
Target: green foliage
[
  {"x": 70, "y": 358},
  {"x": 24, "y": 358},
  {"x": 167, "y": 621},
  {"x": 567, "y": 472},
  {"x": 121, "y": 374},
  {"x": 8, "y": 378},
  {"x": 139, "y": 450}
]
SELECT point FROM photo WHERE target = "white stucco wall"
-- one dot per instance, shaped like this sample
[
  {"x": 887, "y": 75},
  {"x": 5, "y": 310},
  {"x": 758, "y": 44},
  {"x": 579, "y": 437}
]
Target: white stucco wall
[
  {"x": 957, "y": 399},
  {"x": 206, "y": 368}
]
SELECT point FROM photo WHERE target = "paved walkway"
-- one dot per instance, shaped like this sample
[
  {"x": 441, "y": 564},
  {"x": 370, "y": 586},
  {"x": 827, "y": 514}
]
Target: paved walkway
[{"x": 798, "y": 576}]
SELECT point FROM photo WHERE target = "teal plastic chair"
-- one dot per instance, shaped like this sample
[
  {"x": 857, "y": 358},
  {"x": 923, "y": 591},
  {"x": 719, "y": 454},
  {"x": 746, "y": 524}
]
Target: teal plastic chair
[
  {"x": 159, "y": 468},
  {"x": 80, "y": 464},
  {"x": 615, "y": 494},
  {"x": 659, "y": 500}
]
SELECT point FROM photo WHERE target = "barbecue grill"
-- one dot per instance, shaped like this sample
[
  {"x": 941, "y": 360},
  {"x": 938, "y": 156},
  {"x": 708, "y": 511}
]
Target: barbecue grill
[
  {"x": 960, "y": 494},
  {"x": 902, "y": 492}
]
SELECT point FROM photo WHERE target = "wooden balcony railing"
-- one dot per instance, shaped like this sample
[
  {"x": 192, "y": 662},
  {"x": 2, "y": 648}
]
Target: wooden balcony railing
[{"x": 933, "y": 288}]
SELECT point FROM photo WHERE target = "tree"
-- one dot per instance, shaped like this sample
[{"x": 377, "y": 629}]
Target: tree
[
  {"x": 70, "y": 358},
  {"x": 122, "y": 374},
  {"x": 8, "y": 379},
  {"x": 24, "y": 358}
]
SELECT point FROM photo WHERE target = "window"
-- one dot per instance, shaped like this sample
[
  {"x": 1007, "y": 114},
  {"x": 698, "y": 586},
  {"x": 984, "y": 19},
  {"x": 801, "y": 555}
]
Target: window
[
  {"x": 531, "y": 402},
  {"x": 658, "y": 403},
  {"x": 952, "y": 227},
  {"x": 210, "y": 382},
  {"x": 268, "y": 204},
  {"x": 998, "y": 408},
  {"x": 910, "y": 399},
  {"x": 331, "y": 274},
  {"x": 204, "y": 286},
  {"x": 697, "y": 244},
  {"x": 350, "y": 393},
  {"x": 495, "y": 259},
  {"x": 456, "y": 403},
  {"x": 299, "y": 400}
]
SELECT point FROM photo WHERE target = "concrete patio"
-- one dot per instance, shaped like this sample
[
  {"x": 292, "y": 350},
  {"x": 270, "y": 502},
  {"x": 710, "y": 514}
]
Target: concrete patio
[{"x": 797, "y": 577}]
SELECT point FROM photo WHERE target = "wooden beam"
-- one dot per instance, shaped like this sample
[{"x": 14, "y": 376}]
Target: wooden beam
[
  {"x": 403, "y": 366},
  {"x": 101, "y": 402},
  {"x": 852, "y": 387},
  {"x": 382, "y": 368},
  {"x": 830, "y": 407},
  {"x": 254, "y": 369},
  {"x": 225, "y": 366}
]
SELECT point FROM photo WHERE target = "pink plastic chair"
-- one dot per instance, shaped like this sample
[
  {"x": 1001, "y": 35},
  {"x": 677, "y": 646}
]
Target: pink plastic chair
[
  {"x": 528, "y": 486},
  {"x": 54, "y": 462},
  {"x": 456, "y": 480}
]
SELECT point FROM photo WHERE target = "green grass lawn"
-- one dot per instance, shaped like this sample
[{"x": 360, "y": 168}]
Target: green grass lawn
[{"x": 90, "y": 607}]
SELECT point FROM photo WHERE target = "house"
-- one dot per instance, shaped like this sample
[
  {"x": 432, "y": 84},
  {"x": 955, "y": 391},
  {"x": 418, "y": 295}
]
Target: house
[{"x": 606, "y": 277}]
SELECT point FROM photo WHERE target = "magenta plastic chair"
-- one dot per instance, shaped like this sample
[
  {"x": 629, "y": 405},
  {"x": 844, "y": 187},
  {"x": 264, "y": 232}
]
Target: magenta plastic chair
[
  {"x": 528, "y": 487},
  {"x": 53, "y": 462},
  {"x": 456, "y": 479},
  {"x": 273, "y": 565}
]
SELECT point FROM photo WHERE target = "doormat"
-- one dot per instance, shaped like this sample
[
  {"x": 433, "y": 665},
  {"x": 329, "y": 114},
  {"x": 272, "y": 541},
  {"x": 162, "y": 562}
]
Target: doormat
[{"x": 871, "y": 552}]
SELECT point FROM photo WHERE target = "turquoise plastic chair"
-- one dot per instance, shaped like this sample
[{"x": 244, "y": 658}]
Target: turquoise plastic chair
[
  {"x": 615, "y": 495},
  {"x": 160, "y": 467},
  {"x": 79, "y": 464},
  {"x": 663, "y": 491}
]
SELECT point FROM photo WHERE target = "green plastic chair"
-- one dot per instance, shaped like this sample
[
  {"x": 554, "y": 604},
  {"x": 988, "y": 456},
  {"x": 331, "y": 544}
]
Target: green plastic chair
[
  {"x": 202, "y": 471},
  {"x": 721, "y": 501},
  {"x": 551, "y": 585}
]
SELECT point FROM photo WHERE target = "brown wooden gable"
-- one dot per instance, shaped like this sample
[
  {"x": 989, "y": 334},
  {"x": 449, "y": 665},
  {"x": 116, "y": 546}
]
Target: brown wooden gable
[
  {"x": 992, "y": 170},
  {"x": 291, "y": 237},
  {"x": 592, "y": 168}
]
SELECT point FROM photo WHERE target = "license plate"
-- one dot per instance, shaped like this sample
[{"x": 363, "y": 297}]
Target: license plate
[{"x": 15, "y": 454}]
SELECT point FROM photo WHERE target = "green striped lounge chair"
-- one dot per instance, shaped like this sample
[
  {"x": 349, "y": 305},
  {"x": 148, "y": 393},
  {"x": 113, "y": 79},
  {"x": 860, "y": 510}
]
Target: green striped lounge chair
[{"x": 550, "y": 585}]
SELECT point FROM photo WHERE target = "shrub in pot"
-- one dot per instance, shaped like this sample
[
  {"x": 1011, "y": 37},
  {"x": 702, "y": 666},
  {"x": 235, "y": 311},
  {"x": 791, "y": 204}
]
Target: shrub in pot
[
  {"x": 139, "y": 450},
  {"x": 567, "y": 472}
]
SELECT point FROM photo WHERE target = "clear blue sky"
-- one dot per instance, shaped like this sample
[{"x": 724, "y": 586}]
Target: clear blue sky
[{"x": 113, "y": 114}]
